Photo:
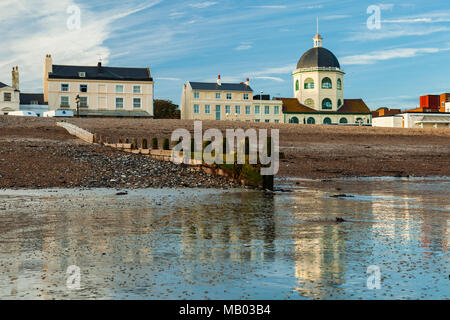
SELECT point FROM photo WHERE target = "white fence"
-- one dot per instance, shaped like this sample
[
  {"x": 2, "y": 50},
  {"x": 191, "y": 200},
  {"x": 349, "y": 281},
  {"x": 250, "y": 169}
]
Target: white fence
[{"x": 77, "y": 131}]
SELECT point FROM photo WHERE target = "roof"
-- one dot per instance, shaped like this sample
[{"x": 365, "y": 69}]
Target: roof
[
  {"x": 27, "y": 98},
  {"x": 318, "y": 57},
  {"x": 292, "y": 105},
  {"x": 2, "y": 85},
  {"x": 354, "y": 106},
  {"x": 224, "y": 87},
  {"x": 101, "y": 73}
]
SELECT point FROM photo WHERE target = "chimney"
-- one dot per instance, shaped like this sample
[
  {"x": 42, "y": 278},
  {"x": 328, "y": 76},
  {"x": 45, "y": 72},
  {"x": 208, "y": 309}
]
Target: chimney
[
  {"x": 219, "y": 81},
  {"x": 99, "y": 67},
  {"x": 15, "y": 78},
  {"x": 48, "y": 68},
  {"x": 247, "y": 82}
]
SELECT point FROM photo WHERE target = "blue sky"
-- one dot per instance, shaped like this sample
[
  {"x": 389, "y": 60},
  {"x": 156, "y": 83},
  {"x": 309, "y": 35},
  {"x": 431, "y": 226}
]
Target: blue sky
[{"x": 263, "y": 40}]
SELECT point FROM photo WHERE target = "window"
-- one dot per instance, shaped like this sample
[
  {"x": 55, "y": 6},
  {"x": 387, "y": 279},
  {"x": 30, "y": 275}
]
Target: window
[
  {"x": 119, "y": 103},
  {"x": 257, "y": 110},
  {"x": 297, "y": 85},
  {"x": 327, "y": 104},
  {"x": 196, "y": 109},
  {"x": 238, "y": 109},
  {"x": 293, "y": 120},
  {"x": 64, "y": 87},
  {"x": 277, "y": 121},
  {"x": 207, "y": 109},
  {"x": 7, "y": 96},
  {"x": 327, "y": 121},
  {"x": 137, "y": 89},
  {"x": 276, "y": 109},
  {"x": 360, "y": 121},
  {"x": 34, "y": 102},
  {"x": 267, "y": 121},
  {"x": 247, "y": 110},
  {"x": 227, "y": 109},
  {"x": 229, "y": 96},
  {"x": 343, "y": 121},
  {"x": 309, "y": 103},
  {"x": 311, "y": 120},
  {"x": 83, "y": 102},
  {"x": 339, "y": 103},
  {"x": 218, "y": 95},
  {"x": 136, "y": 103},
  {"x": 196, "y": 95},
  {"x": 64, "y": 101},
  {"x": 339, "y": 84},
  {"x": 267, "y": 110},
  {"x": 83, "y": 87},
  {"x": 309, "y": 83},
  {"x": 326, "y": 83},
  {"x": 245, "y": 96},
  {"x": 119, "y": 88},
  {"x": 257, "y": 120},
  {"x": 82, "y": 74}
]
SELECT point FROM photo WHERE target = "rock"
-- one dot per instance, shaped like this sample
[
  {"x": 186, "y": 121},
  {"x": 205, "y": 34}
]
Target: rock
[
  {"x": 340, "y": 220},
  {"x": 342, "y": 196}
]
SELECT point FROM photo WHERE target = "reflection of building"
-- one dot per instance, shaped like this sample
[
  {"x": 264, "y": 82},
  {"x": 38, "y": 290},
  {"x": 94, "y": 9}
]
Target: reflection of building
[
  {"x": 227, "y": 101},
  {"x": 319, "y": 92},
  {"x": 103, "y": 91}
]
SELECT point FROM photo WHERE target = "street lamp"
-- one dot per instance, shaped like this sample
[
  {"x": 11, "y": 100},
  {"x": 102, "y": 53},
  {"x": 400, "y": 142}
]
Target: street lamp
[{"x": 77, "y": 100}]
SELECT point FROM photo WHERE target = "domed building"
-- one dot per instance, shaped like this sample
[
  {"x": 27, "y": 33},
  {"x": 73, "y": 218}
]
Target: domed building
[{"x": 318, "y": 85}]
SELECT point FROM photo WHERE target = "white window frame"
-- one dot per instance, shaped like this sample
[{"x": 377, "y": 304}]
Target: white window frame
[
  {"x": 61, "y": 104},
  {"x": 137, "y": 86},
  {"x": 218, "y": 95},
  {"x": 257, "y": 107},
  {"x": 229, "y": 96},
  {"x": 237, "y": 109},
  {"x": 140, "y": 103},
  {"x": 245, "y": 96},
  {"x": 196, "y": 109},
  {"x": 123, "y": 103},
  {"x": 83, "y": 84},
  {"x": 119, "y": 85},
  {"x": 196, "y": 95},
  {"x": 87, "y": 102},
  {"x": 207, "y": 109},
  {"x": 227, "y": 109},
  {"x": 248, "y": 110},
  {"x": 276, "y": 109},
  {"x": 64, "y": 84}
]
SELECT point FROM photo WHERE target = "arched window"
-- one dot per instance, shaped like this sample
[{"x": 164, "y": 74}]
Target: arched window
[
  {"x": 327, "y": 121},
  {"x": 309, "y": 102},
  {"x": 360, "y": 121},
  {"x": 326, "y": 83},
  {"x": 311, "y": 120},
  {"x": 293, "y": 120},
  {"x": 339, "y": 103},
  {"x": 309, "y": 83},
  {"x": 327, "y": 104},
  {"x": 339, "y": 84},
  {"x": 297, "y": 85},
  {"x": 343, "y": 121}
]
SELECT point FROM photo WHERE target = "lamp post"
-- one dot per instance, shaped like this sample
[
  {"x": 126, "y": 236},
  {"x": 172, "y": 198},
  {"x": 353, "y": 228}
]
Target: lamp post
[{"x": 77, "y": 100}]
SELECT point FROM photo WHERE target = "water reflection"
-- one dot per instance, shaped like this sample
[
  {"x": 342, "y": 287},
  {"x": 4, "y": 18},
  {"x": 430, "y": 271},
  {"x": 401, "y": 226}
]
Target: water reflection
[{"x": 228, "y": 245}]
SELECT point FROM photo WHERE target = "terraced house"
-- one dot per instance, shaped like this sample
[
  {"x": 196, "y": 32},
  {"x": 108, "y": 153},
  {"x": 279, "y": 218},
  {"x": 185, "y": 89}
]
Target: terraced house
[
  {"x": 227, "y": 101},
  {"x": 10, "y": 95},
  {"x": 102, "y": 91}
]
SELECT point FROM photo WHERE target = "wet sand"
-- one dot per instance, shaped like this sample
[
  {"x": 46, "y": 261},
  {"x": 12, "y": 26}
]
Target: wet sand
[{"x": 230, "y": 244}]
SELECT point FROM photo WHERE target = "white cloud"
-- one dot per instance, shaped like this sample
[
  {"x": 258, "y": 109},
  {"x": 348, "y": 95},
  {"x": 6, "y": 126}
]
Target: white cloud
[
  {"x": 336, "y": 17},
  {"x": 374, "y": 57},
  {"x": 40, "y": 27},
  {"x": 202, "y": 5},
  {"x": 277, "y": 79},
  {"x": 270, "y": 7},
  {"x": 168, "y": 79},
  {"x": 243, "y": 47},
  {"x": 396, "y": 32},
  {"x": 386, "y": 6}
]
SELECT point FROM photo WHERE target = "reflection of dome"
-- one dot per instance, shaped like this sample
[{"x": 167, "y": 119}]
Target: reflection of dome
[{"x": 318, "y": 57}]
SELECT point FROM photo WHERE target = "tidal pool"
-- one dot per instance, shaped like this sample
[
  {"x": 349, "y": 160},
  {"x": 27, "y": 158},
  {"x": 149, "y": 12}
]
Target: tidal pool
[{"x": 234, "y": 244}]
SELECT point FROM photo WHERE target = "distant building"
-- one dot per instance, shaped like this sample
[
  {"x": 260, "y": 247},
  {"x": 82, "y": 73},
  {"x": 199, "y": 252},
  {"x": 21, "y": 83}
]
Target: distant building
[
  {"x": 382, "y": 112},
  {"x": 33, "y": 102},
  {"x": 227, "y": 101},
  {"x": 9, "y": 95},
  {"x": 414, "y": 120},
  {"x": 319, "y": 92},
  {"x": 103, "y": 91},
  {"x": 444, "y": 99}
]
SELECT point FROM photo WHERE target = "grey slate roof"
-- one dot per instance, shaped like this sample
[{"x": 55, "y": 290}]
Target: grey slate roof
[
  {"x": 101, "y": 73},
  {"x": 2, "y": 85},
  {"x": 27, "y": 98},
  {"x": 224, "y": 87},
  {"x": 318, "y": 57}
]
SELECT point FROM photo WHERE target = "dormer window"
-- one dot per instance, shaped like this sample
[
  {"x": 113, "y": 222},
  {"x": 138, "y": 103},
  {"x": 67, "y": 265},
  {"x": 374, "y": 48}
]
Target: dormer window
[{"x": 82, "y": 74}]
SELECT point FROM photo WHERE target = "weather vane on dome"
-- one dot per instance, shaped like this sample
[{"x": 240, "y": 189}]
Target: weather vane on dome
[{"x": 318, "y": 38}]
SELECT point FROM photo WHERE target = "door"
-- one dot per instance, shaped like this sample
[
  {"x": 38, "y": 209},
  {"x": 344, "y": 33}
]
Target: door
[{"x": 217, "y": 112}]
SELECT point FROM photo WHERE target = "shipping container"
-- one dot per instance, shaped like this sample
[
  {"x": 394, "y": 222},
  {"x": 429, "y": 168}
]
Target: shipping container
[{"x": 430, "y": 101}]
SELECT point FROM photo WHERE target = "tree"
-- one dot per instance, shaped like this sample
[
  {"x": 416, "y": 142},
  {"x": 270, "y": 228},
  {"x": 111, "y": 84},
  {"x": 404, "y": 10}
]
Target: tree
[{"x": 165, "y": 109}]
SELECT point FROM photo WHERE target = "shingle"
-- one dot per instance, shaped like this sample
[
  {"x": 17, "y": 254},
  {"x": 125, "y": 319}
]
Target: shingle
[{"x": 224, "y": 87}]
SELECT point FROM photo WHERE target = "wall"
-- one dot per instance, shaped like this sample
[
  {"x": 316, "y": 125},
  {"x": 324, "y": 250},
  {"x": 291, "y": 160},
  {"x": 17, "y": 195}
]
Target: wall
[
  {"x": 8, "y": 106},
  {"x": 335, "y": 118}
]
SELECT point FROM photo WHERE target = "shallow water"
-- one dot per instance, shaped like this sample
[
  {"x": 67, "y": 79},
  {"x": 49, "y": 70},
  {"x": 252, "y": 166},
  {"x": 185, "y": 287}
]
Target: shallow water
[{"x": 235, "y": 244}]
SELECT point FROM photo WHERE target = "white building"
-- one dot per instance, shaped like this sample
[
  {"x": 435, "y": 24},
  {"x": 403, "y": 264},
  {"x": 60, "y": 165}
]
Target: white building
[
  {"x": 9, "y": 95},
  {"x": 414, "y": 120}
]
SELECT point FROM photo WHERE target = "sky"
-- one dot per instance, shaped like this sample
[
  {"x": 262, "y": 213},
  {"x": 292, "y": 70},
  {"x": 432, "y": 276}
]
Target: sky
[{"x": 389, "y": 61}]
